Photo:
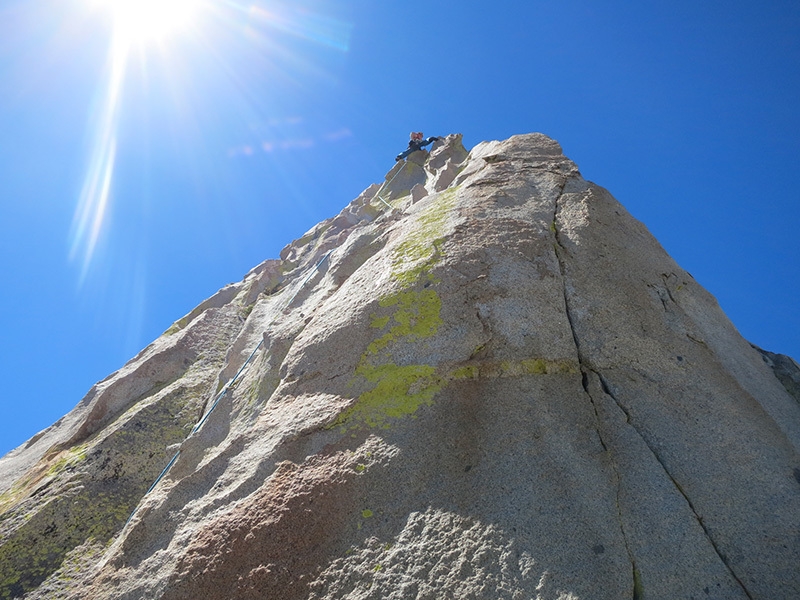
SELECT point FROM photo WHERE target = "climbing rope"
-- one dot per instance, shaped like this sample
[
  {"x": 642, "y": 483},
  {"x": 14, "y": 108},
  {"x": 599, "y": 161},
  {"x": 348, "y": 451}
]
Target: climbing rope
[
  {"x": 231, "y": 383},
  {"x": 241, "y": 370},
  {"x": 385, "y": 183}
]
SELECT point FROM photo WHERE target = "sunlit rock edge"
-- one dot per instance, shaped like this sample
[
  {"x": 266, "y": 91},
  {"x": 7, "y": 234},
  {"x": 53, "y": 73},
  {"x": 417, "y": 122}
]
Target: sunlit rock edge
[{"x": 496, "y": 385}]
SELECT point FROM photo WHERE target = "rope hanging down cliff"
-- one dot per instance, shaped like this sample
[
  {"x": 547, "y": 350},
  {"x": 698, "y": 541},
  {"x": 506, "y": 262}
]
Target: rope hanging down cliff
[
  {"x": 385, "y": 183},
  {"x": 231, "y": 383}
]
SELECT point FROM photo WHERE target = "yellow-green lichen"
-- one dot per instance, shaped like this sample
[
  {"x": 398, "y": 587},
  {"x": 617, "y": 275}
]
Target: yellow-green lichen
[
  {"x": 398, "y": 391},
  {"x": 638, "y": 588},
  {"x": 478, "y": 349},
  {"x": 313, "y": 235},
  {"x": 379, "y": 322},
  {"x": 177, "y": 326},
  {"x": 7, "y": 499},
  {"x": 51, "y": 465},
  {"x": 37, "y": 549},
  {"x": 416, "y": 254},
  {"x": 534, "y": 366},
  {"x": 526, "y": 366},
  {"x": 487, "y": 369},
  {"x": 465, "y": 372},
  {"x": 16, "y": 493},
  {"x": 92, "y": 500},
  {"x": 366, "y": 513},
  {"x": 416, "y": 316},
  {"x": 68, "y": 458}
]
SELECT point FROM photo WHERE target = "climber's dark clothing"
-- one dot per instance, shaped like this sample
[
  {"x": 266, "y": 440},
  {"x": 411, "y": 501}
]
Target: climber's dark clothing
[{"x": 415, "y": 145}]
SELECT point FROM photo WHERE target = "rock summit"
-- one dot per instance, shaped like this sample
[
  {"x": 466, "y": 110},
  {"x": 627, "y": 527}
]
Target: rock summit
[{"x": 483, "y": 379}]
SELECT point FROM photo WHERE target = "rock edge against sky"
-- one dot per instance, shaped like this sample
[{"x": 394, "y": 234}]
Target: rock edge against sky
[{"x": 496, "y": 384}]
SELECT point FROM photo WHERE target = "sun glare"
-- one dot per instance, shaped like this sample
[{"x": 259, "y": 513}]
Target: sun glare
[
  {"x": 148, "y": 20},
  {"x": 135, "y": 22},
  {"x": 141, "y": 32}
]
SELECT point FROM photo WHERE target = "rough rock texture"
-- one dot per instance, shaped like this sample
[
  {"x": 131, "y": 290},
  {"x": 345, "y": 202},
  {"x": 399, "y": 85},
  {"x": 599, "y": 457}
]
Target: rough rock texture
[
  {"x": 786, "y": 370},
  {"x": 499, "y": 386}
]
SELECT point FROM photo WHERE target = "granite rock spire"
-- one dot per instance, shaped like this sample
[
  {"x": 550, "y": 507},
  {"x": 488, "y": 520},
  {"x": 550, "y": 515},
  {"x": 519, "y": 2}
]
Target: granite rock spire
[{"x": 496, "y": 385}]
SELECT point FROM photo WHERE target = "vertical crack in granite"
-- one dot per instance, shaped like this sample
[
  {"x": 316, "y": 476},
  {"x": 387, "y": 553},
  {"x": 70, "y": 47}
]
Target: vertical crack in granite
[
  {"x": 637, "y": 594},
  {"x": 666, "y": 277},
  {"x": 269, "y": 471},
  {"x": 559, "y": 250},
  {"x": 607, "y": 390}
]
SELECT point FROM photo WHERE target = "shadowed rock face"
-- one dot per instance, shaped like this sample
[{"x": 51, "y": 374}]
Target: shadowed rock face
[
  {"x": 786, "y": 370},
  {"x": 495, "y": 385}
]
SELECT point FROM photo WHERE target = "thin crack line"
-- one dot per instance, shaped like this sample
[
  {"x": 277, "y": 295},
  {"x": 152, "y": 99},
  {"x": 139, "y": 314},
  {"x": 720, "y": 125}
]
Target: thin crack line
[
  {"x": 666, "y": 277},
  {"x": 559, "y": 248},
  {"x": 720, "y": 554},
  {"x": 618, "y": 484}
]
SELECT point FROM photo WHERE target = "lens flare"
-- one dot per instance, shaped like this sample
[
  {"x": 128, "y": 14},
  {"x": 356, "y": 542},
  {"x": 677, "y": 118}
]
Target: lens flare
[
  {"x": 146, "y": 19},
  {"x": 231, "y": 40},
  {"x": 90, "y": 213},
  {"x": 134, "y": 22}
]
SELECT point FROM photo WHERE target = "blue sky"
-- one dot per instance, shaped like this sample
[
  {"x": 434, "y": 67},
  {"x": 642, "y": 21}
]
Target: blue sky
[{"x": 141, "y": 173}]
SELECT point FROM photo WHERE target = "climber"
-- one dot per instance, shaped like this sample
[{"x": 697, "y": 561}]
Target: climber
[{"x": 416, "y": 143}]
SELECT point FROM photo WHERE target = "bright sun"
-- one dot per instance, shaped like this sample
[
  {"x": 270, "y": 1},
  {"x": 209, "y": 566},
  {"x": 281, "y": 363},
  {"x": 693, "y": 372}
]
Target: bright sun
[
  {"x": 134, "y": 23},
  {"x": 147, "y": 20}
]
